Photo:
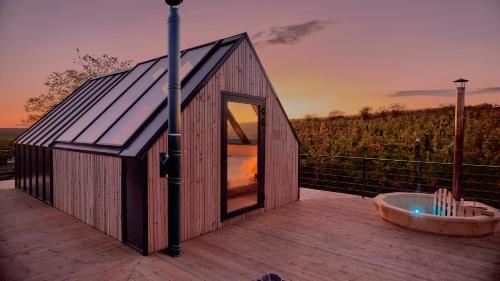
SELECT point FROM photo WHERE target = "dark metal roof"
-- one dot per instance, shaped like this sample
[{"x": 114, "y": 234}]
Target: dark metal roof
[{"x": 123, "y": 113}]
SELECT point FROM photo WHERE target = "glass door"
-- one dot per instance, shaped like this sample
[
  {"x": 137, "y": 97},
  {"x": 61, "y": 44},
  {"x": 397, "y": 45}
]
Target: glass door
[{"x": 242, "y": 154}]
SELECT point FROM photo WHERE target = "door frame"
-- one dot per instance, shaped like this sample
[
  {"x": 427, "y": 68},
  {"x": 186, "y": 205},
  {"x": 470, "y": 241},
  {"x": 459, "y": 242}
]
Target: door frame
[{"x": 247, "y": 99}]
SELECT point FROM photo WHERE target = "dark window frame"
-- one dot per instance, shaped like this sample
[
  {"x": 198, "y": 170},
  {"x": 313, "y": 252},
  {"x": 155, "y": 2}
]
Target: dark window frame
[{"x": 253, "y": 100}]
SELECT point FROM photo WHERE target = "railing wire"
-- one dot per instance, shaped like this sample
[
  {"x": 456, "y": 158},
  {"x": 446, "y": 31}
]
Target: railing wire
[{"x": 370, "y": 176}]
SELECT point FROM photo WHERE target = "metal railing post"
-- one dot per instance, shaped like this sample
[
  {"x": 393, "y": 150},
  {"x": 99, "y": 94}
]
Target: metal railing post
[
  {"x": 418, "y": 165},
  {"x": 363, "y": 177},
  {"x": 459, "y": 143}
]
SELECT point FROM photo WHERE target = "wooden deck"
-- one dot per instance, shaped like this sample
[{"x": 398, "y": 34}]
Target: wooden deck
[{"x": 320, "y": 237}]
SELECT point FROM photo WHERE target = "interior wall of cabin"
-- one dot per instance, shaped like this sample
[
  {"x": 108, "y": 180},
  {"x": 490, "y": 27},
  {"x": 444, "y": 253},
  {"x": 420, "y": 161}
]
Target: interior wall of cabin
[
  {"x": 201, "y": 150},
  {"x": 89, "y": 187}
]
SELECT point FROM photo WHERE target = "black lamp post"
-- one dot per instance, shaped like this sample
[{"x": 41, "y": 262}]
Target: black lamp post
[
  {"x": 459, "y": 138},
  {"x": 170, "y": 165}
]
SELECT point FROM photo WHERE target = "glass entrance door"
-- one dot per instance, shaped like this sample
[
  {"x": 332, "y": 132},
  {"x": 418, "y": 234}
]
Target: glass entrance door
[{"x": 242, "y": 154}]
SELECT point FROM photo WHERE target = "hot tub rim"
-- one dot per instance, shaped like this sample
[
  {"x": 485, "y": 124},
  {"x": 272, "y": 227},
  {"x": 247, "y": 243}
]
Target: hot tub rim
[{"x": 475, "y": 219}]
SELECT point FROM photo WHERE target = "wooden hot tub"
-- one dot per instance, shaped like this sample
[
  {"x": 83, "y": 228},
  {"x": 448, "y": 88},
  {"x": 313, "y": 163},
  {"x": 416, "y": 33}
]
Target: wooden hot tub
[{"x": 415, "y": 211}]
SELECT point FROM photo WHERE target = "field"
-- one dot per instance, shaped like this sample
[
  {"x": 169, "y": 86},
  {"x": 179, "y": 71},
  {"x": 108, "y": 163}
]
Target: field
[
  {"x": 7, "y": 135},
  {"x": 392, "y": 134},
  {"x": 372, "y": 153},
  {"x": 10, "y": 133}
]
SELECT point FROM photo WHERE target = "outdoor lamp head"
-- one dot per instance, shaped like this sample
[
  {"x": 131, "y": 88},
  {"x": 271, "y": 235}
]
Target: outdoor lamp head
[
  {"x": 173, "y": 2},
  {"x": 460, "y": 83}
]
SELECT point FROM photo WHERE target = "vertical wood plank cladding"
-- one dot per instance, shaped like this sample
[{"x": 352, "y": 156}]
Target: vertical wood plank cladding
[
  {"x": 88, "y": 187},
  {"x": 243, "y": 74},
  {"x": 201, "y": 167},
  {"x": 157, "y": 198}
]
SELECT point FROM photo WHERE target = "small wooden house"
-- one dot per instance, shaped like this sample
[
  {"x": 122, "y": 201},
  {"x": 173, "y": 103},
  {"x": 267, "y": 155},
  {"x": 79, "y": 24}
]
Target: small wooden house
[{"x": 96, "y": 155}]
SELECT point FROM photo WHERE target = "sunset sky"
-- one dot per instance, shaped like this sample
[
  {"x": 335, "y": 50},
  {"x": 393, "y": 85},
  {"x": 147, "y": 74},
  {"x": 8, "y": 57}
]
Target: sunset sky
[{"x": 320, "y": 55}]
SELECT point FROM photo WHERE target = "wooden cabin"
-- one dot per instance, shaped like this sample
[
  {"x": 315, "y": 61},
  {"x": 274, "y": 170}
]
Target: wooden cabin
[{"x": 96, "y": 155}]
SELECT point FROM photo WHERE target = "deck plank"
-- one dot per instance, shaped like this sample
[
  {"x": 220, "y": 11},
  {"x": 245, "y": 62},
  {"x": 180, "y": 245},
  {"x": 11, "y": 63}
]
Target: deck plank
[{"x": 324, "y": 236}]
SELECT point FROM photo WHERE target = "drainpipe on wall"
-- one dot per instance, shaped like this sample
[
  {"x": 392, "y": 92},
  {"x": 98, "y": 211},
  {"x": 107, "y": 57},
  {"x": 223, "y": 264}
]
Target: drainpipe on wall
[{"x": 170, "y": 165}]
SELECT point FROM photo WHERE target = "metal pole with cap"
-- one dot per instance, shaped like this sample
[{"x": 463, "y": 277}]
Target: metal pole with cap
[
  {"x": 459, "y": 138},
  {"x": 170, "y": 165}
]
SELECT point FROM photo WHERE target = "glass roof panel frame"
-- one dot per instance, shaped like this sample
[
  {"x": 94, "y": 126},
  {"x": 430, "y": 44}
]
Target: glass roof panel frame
[
  {"x": 112, "y": 102},
  {"x": 203, "y": 59},
  {"x": 217, "y": 58},
  {"x": 49, "y": 130},
  {"x": 155, "y": 124},
  {"x": 63, "y": 110},
  {"x": 39, "y": 125},
  {"x": 35, "y": 125},
  {"x": 95, "y": 142},
  {"x": 144, "y": 137},
  {"x": 127, "y": 110},
  {"x": 159, "y": 122},
  {"x": 84, "y": 108},
  {"x": 124, "y": 113}
]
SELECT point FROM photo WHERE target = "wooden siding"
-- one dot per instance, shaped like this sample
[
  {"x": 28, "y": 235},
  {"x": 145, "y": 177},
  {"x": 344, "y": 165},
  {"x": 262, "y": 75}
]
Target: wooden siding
[
  {"x": 157, "y": 198},
  {"x": 88, "y": 187},
  {"x": 201, "y": 150}
]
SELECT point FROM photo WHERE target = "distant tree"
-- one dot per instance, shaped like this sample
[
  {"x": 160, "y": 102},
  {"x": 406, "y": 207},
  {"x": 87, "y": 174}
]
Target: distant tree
[
  {"x": 61, "y": 84},
  {"x": 310, "y": 116},
  {"x": 336, "y": 113},
  {"x": 447, "y": 105},
  {"x": 397, "y": 109},
  {"x": 365, "y": 112}
]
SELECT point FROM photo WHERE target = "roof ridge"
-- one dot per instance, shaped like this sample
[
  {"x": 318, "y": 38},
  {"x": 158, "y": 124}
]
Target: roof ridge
[
  {"x": 111, "y": 73},
  {"x": 198, "y": 46},
  {"x": 160, "y": 57}
]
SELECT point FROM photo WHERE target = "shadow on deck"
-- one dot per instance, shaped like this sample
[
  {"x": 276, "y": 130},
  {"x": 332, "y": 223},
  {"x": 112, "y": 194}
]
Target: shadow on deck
[{"x": 324, "y": 236}]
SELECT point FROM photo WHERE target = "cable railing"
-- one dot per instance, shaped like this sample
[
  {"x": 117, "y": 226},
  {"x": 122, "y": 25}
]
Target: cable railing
[
  {"x": 6, "y": 164},
  {"x": 370, "y": 176}
]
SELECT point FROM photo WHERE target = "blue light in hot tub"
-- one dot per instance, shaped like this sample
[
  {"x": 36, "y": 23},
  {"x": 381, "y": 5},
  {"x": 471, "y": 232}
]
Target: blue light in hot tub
[{"x": 416, "y": 211}]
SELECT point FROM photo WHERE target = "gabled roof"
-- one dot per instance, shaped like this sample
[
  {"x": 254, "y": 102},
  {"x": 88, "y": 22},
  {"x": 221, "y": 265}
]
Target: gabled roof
[{"x": 123, "y": 113}]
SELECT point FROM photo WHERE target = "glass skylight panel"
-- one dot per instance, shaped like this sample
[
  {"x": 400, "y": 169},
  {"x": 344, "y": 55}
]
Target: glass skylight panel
[
  {"x": 188, "y": 88},
  {"x": 106, "y": 101},
  {"x": 149, "y": 131},
  {"x": 53, "y": 114},
  {"x": 62, "y": 110},
  {"x": 101, "y": 124},
  {"x": 129, "y": 122},
  {"x": 137, "y": 115},
  {"x": 83, "y": 108},
  {"x": 78, "y": 107},
  {"x": 192, "y": 57}
]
